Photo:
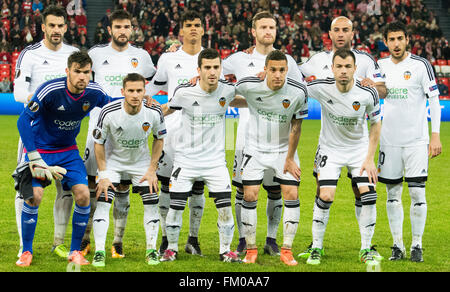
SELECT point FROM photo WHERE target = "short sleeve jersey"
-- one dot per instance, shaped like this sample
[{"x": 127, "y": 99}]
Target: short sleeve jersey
[
  {"x": 409, "y": 84},
  {"x": 271, "y": 113},
  {"x": 343, "y": 123},
  {"x": 248, "y": 65},
  {"x": 201, "y": 139},
  {"x": 319, "y": 66},
  {"x": 127, "y": 135},
  {"x": 37, "y": 64}
]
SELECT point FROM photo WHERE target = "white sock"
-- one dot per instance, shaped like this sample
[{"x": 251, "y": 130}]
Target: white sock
[
  {"x": 367, "y": 224},
  {"x": 100, "y": 224},
  {"x": 249, "y": 221},
  {"x": 196, "y": 207},
  {"x": 174, "y": 222},
  {"x": 120, "y": 214},
  {"x": 18, "y": 202},
  {"x": 237, "y": 210},
  {"x": 151, "y": 225},
  {"x": 274, "y": 211},
  {"x": 418, "y": 212},
  {"x": 225, "y": 224},
  {"x": 358, "y": 206},
  {"x": 394, "y": 210},
  {"x": 321, "y": 214},
  {"x": 62, "y": 210},
  {"x": 291, "y": 218},
  {"x": 164, "y": 205}
]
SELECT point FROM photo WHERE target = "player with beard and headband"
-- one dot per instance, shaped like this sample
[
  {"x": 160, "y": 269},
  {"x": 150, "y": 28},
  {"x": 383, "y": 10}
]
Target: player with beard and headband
[
  {"x": 345, "y": 141},
  {"x": 367, "y": 71},
  {"x": 243, "y": 65},
  {"x": 405, "y": 146},
  {"x": 111, "y": 63},
  {"x": 173, "y": 69},
  {"x": 38, "y": 63},
  {"x": 48, "y": 127},
  {"x": 127, "y": 125}
]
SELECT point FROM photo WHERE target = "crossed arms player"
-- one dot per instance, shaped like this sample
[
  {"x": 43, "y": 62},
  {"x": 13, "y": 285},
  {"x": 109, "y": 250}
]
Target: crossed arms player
[
  {"x": 127, "y": 125},
  {"x": 48, "y": 128}
]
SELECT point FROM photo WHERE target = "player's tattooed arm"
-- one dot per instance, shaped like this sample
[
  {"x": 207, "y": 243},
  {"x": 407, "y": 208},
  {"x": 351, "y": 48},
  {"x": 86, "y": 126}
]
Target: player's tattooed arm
[
  {"x": 369, "y": 164},
  {"x": 294, "y": 136}
]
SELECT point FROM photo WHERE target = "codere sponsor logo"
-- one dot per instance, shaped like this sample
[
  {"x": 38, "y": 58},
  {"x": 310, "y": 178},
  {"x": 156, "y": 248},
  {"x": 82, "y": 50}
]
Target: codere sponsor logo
[
  {"x": 53, "y": 76},
  {"x": 272, "y": 117},
  {"x": 207, "y": 120},
  {"x": 114, "y": 80},
  {"x": 397, "y": 93},
  {"x": 343, "y": 121},
  {"x": 67, "y": 125},
  {"x": 132, "y": 143}
]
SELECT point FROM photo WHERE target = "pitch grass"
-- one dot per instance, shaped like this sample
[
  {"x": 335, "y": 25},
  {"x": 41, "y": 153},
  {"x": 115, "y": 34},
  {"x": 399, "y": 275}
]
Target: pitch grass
[{"x": 342, "y": 240}]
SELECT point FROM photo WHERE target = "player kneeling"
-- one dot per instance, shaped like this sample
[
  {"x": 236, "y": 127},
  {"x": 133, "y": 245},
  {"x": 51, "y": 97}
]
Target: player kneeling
[{"x": 126, "y": 125}]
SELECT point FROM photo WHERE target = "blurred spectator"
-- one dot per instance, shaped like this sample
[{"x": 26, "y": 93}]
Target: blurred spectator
[
  {"x": 5, "y": 85},
  {"x": 5, "y": 56},
  {"x": 443, "y": 89},
  {"x": 37, "y": 5},
  {"x": 26, "y": 6}
]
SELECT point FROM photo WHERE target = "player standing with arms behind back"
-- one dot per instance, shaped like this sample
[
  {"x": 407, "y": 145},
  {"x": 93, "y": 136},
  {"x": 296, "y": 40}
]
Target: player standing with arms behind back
[
  {"x": 405, "y": 143},
  {"x": 111, "y": 63},
  {"x": 38, "y": 63},
  {"x": 173, "y": 69}
]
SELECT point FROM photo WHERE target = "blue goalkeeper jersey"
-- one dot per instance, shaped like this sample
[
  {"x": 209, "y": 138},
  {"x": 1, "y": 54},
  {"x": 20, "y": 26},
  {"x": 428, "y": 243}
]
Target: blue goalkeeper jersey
[{"x": 55, "y": 115}]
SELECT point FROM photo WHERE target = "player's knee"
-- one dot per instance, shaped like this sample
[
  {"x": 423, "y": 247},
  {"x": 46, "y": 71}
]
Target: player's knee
[
  {"x": 223, "y": 200},
  {"x": 290, "y": 193},
  {"x": 81, "y": 194},
  {"x": 369, "y": 197},
  {"x": 327, "y": 194},
  {"x": 417, "y": 192}
]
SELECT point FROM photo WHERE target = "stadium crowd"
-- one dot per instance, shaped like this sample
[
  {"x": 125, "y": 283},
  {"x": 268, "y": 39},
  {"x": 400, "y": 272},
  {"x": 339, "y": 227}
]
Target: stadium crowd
[{"x": 302, "y": 26}]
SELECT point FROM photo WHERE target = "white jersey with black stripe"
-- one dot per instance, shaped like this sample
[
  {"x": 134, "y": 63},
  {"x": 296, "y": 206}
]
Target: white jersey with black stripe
[
  {"x": 244, "y": 65},
  {"x": 409, "y": 83},
  {"x": 319, "y": 66},
  {"x": 201, "y": 138},
  {"x": 271, "y": 113},
  {"x": 37, "y": 64},
  {"x": 127, "y": 135},
  {"x": 343, "y": 123}
]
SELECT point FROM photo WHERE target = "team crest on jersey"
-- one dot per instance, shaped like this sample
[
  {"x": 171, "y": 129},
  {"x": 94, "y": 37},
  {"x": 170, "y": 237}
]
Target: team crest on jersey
[
  {"x": 146, "y": 126},
  {"x": 286, "y": 103},
  {"x": 407, "y": 75},
  {"x": 134, "y": 62},
  {"x": 86, "y": 105},
  {"x": 222, "y": 101},
  {"x": 356, "y": 105}
]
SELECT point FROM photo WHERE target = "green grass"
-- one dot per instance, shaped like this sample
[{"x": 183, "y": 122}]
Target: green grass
[{"x": 342, "y": 239}]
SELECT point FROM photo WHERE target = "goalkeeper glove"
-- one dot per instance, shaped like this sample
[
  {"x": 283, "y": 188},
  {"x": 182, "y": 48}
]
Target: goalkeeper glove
[
  {"x": 38, "y": 167},
  {"x": 57, "y": 172}
]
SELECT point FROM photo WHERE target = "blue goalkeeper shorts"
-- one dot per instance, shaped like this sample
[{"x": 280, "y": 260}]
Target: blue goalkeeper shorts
[{"x": 71, "y": 161}]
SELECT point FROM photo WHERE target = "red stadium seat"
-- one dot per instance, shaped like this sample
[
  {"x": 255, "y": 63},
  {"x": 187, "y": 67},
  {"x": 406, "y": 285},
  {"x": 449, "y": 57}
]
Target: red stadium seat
[
  {"x": 444, "y": 80},
  {"x": 384, "y": 54},
  {"x": 441, "y": 62},
  {"x": 225, "y": 53},
  {"x": 307, "y": 23}
]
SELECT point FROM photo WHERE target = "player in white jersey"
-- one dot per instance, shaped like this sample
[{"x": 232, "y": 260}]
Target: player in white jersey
[
  {"x": 345, "y": 141},
  {"x": 127, "y": 124},
  {"x": 200, "y": 151},
  {"x": 242, "y": 65},
  {"x": 277, "y": 106},
  {"x": 173, "y": 69},
  {"x": 405, "y": 145},
  {"x": 111, "y": 63},
  {"x": 367, "y": 72},
  {"x": 38, "y": 63}
]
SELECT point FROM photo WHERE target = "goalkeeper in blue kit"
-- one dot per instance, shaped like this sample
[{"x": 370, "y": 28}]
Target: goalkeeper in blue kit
[{"x": 48, "y": 128}]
